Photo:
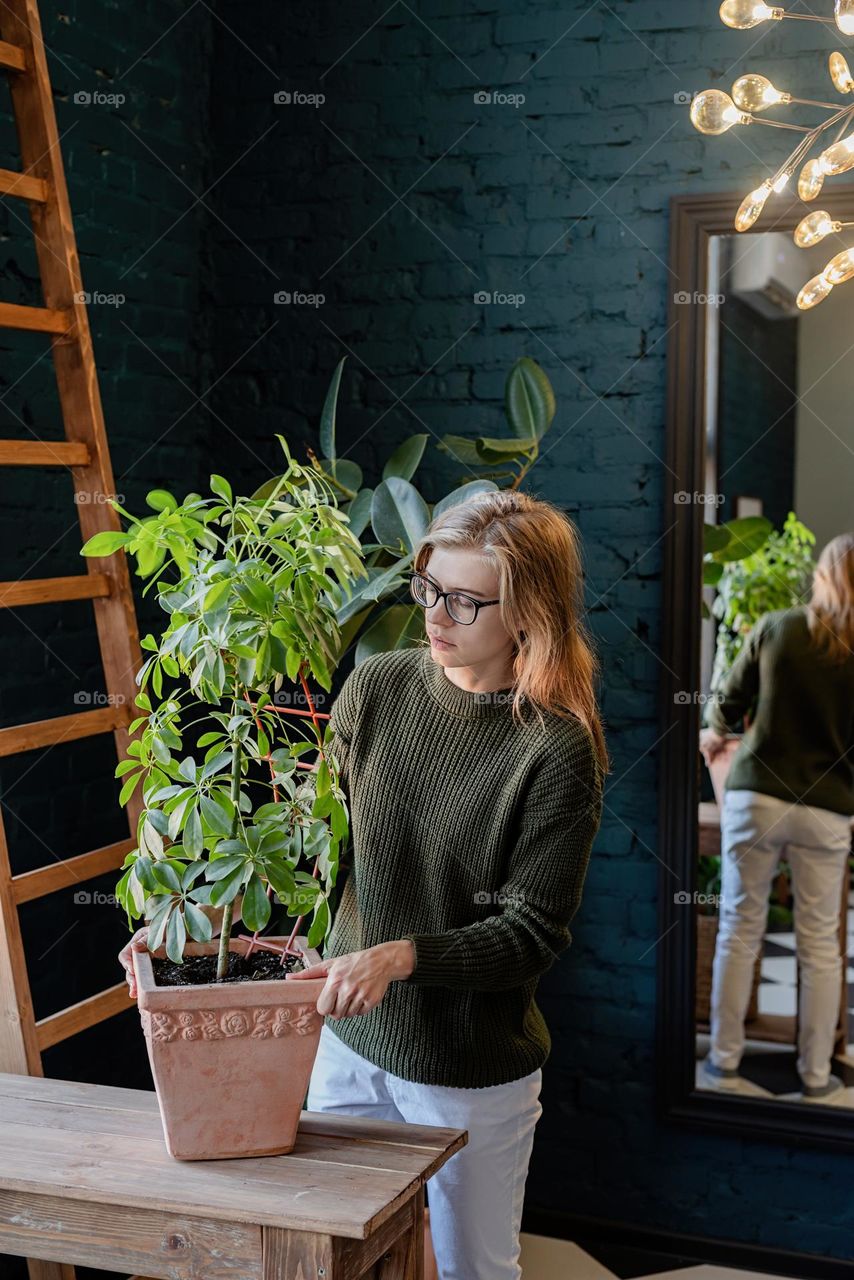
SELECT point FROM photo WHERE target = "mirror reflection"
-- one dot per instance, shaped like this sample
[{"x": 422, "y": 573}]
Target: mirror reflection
[{"x": 774, "y": 995}]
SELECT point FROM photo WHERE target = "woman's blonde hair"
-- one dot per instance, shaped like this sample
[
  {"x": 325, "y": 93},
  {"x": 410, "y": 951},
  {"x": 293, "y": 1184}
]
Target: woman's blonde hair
[
  {"x": 830, "y": 610},
  {"x": 536, "y": 550}
]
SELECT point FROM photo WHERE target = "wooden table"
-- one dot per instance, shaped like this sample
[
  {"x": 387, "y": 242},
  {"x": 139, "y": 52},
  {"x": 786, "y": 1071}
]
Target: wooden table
[{"x": 85, "y": 1178}]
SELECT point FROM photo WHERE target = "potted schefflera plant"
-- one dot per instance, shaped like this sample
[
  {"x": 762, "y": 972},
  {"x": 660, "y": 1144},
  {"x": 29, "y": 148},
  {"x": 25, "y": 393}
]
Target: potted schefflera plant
[{"x": 233, "y": 820}]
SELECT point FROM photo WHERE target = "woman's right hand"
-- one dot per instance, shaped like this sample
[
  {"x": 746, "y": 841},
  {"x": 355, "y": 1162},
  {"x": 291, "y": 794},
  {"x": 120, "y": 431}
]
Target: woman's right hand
[{"x": 137, "y": 943}]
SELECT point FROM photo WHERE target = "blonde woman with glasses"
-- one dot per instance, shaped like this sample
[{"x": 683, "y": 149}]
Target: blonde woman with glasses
[
  {"x": 789, "y": 793},
  {"x": 474, "y": 766}
]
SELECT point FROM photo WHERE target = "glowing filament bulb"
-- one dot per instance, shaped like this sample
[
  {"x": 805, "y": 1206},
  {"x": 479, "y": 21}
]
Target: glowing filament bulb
[
  {"x": 743, "y": 14},
  {"x": 840, "y": 73},
  {"x": 755, "y": 93},
  {"x": 714, "y": 111},
  {"x": 814, "y": 227},
  {"x": 839, "y": 158},
  {"x": 843, "y": 11},
  {"x": 811, "y": 180},
  {"x": 781, "y": 182},
  {"x": 813, "y": 291},
  {"x": 840, "y": 268},
  {"x": 751, "y": 207}
]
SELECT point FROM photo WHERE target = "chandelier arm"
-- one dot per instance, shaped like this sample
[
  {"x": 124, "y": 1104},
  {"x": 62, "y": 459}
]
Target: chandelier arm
[
  {"x": 809, "y": 17},
  {"x": 782, "y": 124}
]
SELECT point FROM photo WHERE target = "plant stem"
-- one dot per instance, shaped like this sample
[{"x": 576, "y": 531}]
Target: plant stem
[{"x": 225, "y": 931}]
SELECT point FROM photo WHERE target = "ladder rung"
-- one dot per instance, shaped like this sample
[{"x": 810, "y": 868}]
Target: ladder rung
[
  {"x": 59, "y": 875},
  {"x": 43, "y": 453},
  {"x": 12, "y": 57},
  {"x": 24, "y": 186},
  {"x": 83, "y": 586},
  {"x": 46, "y": 733},
  {"x": 38, "y": 319},
  {"x": 86, "y": 1013}
]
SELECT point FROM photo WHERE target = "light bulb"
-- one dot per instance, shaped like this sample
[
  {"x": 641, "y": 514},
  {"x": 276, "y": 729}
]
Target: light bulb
[
  {"x": 839, "y": 158},
  {"x": 843, "y": 11},
  {"x": 751, "y": 207},
  {"x": 756, "y": 93},
  {"x": 714, "y": 111},
  {"x": 840, "y": 268},
  {"x": 811, "y": 180},
  {"x": 781, "y": 182},
  {"x": 814, "y": 227},
  {"x": 840, "y": 73},
  {"x": 813, "y": 291},
  {"x": 743, "y": 14}
]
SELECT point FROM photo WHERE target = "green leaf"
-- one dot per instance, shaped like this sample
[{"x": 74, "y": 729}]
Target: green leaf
[
  {"x": 319, "y": 924},
  {"x": 465, "y": 491},
  {"x": 256, "y": 905},
  {"x": 176, "y": 936},
  {"x": 105, "y": 543},
  {"x": 199, "y": 926},
  {"x": 359, "y": 511},
  {"x": 406, "y": 457},
  {"x": 529, "y": 400},
  {"x": 398, "y": 513},
  {"x": 222, "y": 489},
  {"x": 161, "y": 500},
  {"x": 398, "y": 627},
  {"x": 193, "y": 839},
  {"x": 327, "y": 417},
  {"x": 746, "y": 535}
]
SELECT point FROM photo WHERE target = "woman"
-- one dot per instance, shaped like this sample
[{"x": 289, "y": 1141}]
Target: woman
[
  {"x": 473, "y": 766},
  {"x": 789, "y": 793}
]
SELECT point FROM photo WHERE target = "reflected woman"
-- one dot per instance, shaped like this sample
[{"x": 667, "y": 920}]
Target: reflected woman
[{"x": 789, "y": 793}]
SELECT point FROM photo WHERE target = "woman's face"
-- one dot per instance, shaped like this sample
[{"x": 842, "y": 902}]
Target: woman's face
[{"x": 479, "y": 644}]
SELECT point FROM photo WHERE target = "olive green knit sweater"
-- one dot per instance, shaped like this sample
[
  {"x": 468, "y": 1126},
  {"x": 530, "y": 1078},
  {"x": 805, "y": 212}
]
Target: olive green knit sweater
[{"x": 471, "y": 835}]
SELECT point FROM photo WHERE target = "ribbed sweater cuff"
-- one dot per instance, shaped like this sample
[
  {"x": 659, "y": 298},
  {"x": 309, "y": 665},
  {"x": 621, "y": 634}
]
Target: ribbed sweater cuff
[{"x": 433, "y": 958}]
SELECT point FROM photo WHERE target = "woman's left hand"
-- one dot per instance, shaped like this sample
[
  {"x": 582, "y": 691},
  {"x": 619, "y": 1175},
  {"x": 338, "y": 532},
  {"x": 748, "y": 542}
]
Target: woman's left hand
[{"x": 357, "y": 982}]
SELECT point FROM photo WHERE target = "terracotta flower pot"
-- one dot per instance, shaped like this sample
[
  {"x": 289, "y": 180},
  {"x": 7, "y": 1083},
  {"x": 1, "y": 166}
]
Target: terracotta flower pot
[{"x": 231, "y": 1061}]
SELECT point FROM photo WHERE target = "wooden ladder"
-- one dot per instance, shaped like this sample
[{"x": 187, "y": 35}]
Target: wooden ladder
[{"x": 106, "y": 582}]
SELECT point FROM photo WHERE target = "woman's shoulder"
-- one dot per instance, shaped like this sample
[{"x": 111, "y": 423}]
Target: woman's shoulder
[{"x": 568, "y": 746}]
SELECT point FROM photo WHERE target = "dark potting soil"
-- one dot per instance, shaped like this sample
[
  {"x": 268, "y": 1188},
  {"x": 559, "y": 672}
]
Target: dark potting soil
[{"x": 258, "y": 967}]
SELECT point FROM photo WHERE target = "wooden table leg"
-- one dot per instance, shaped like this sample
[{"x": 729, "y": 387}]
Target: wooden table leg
[{"x": 395, "y": 1251}]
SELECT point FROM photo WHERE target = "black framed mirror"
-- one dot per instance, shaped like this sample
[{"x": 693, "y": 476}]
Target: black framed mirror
[{"x": 759, "y": 423}]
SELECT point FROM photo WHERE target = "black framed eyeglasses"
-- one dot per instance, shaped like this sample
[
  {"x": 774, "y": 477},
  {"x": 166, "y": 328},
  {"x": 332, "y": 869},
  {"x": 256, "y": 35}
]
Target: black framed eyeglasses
[{"x": 461, "y": 608}]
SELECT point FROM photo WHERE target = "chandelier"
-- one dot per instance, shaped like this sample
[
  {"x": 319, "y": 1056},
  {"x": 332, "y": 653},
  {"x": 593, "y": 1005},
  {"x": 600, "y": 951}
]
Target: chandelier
[{"x": 714, "y": 112}]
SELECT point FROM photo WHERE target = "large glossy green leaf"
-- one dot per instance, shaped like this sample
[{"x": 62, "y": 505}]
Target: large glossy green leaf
[
  {"x": 746, "y": 535},
  {"x": 359, "y": 511},
  {"x": 397, "y": 627},
  {"x": 398, "y": 513},
  {"x": 529, "y": 400},
  {"x": 105, "y": 543},
  {"x": 496, "y": 449},
  {"x": 715, "y": 537},
  {"x": 406, "y": 457},
  {"x": 347, "y": 473},
  {"x": 327, "y": 417},
  {"x": 464, "y": 492}
]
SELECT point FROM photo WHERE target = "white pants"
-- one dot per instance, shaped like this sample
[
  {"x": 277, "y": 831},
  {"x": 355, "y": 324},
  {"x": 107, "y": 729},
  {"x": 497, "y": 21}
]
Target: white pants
[
  {"x": 475, "y": 1199},
  {"x": 758, "y": 830}
]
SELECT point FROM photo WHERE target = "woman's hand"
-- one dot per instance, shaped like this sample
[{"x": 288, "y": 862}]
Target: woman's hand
[
  {"x": 137, "y": 943},
  {"x": 711, "y": 743},
  {"x": 357, "y": 982}
]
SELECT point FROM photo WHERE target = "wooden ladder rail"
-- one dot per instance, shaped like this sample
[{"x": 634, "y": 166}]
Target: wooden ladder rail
[{"x": 106, "y": 582}]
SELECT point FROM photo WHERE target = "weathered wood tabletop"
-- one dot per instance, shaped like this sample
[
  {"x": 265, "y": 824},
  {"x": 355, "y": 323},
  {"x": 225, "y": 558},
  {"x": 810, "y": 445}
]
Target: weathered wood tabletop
[{"x": 85, "y": 1179}]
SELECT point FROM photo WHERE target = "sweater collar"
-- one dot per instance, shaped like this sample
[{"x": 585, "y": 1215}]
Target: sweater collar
[{"x": 460, "y": 702}]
